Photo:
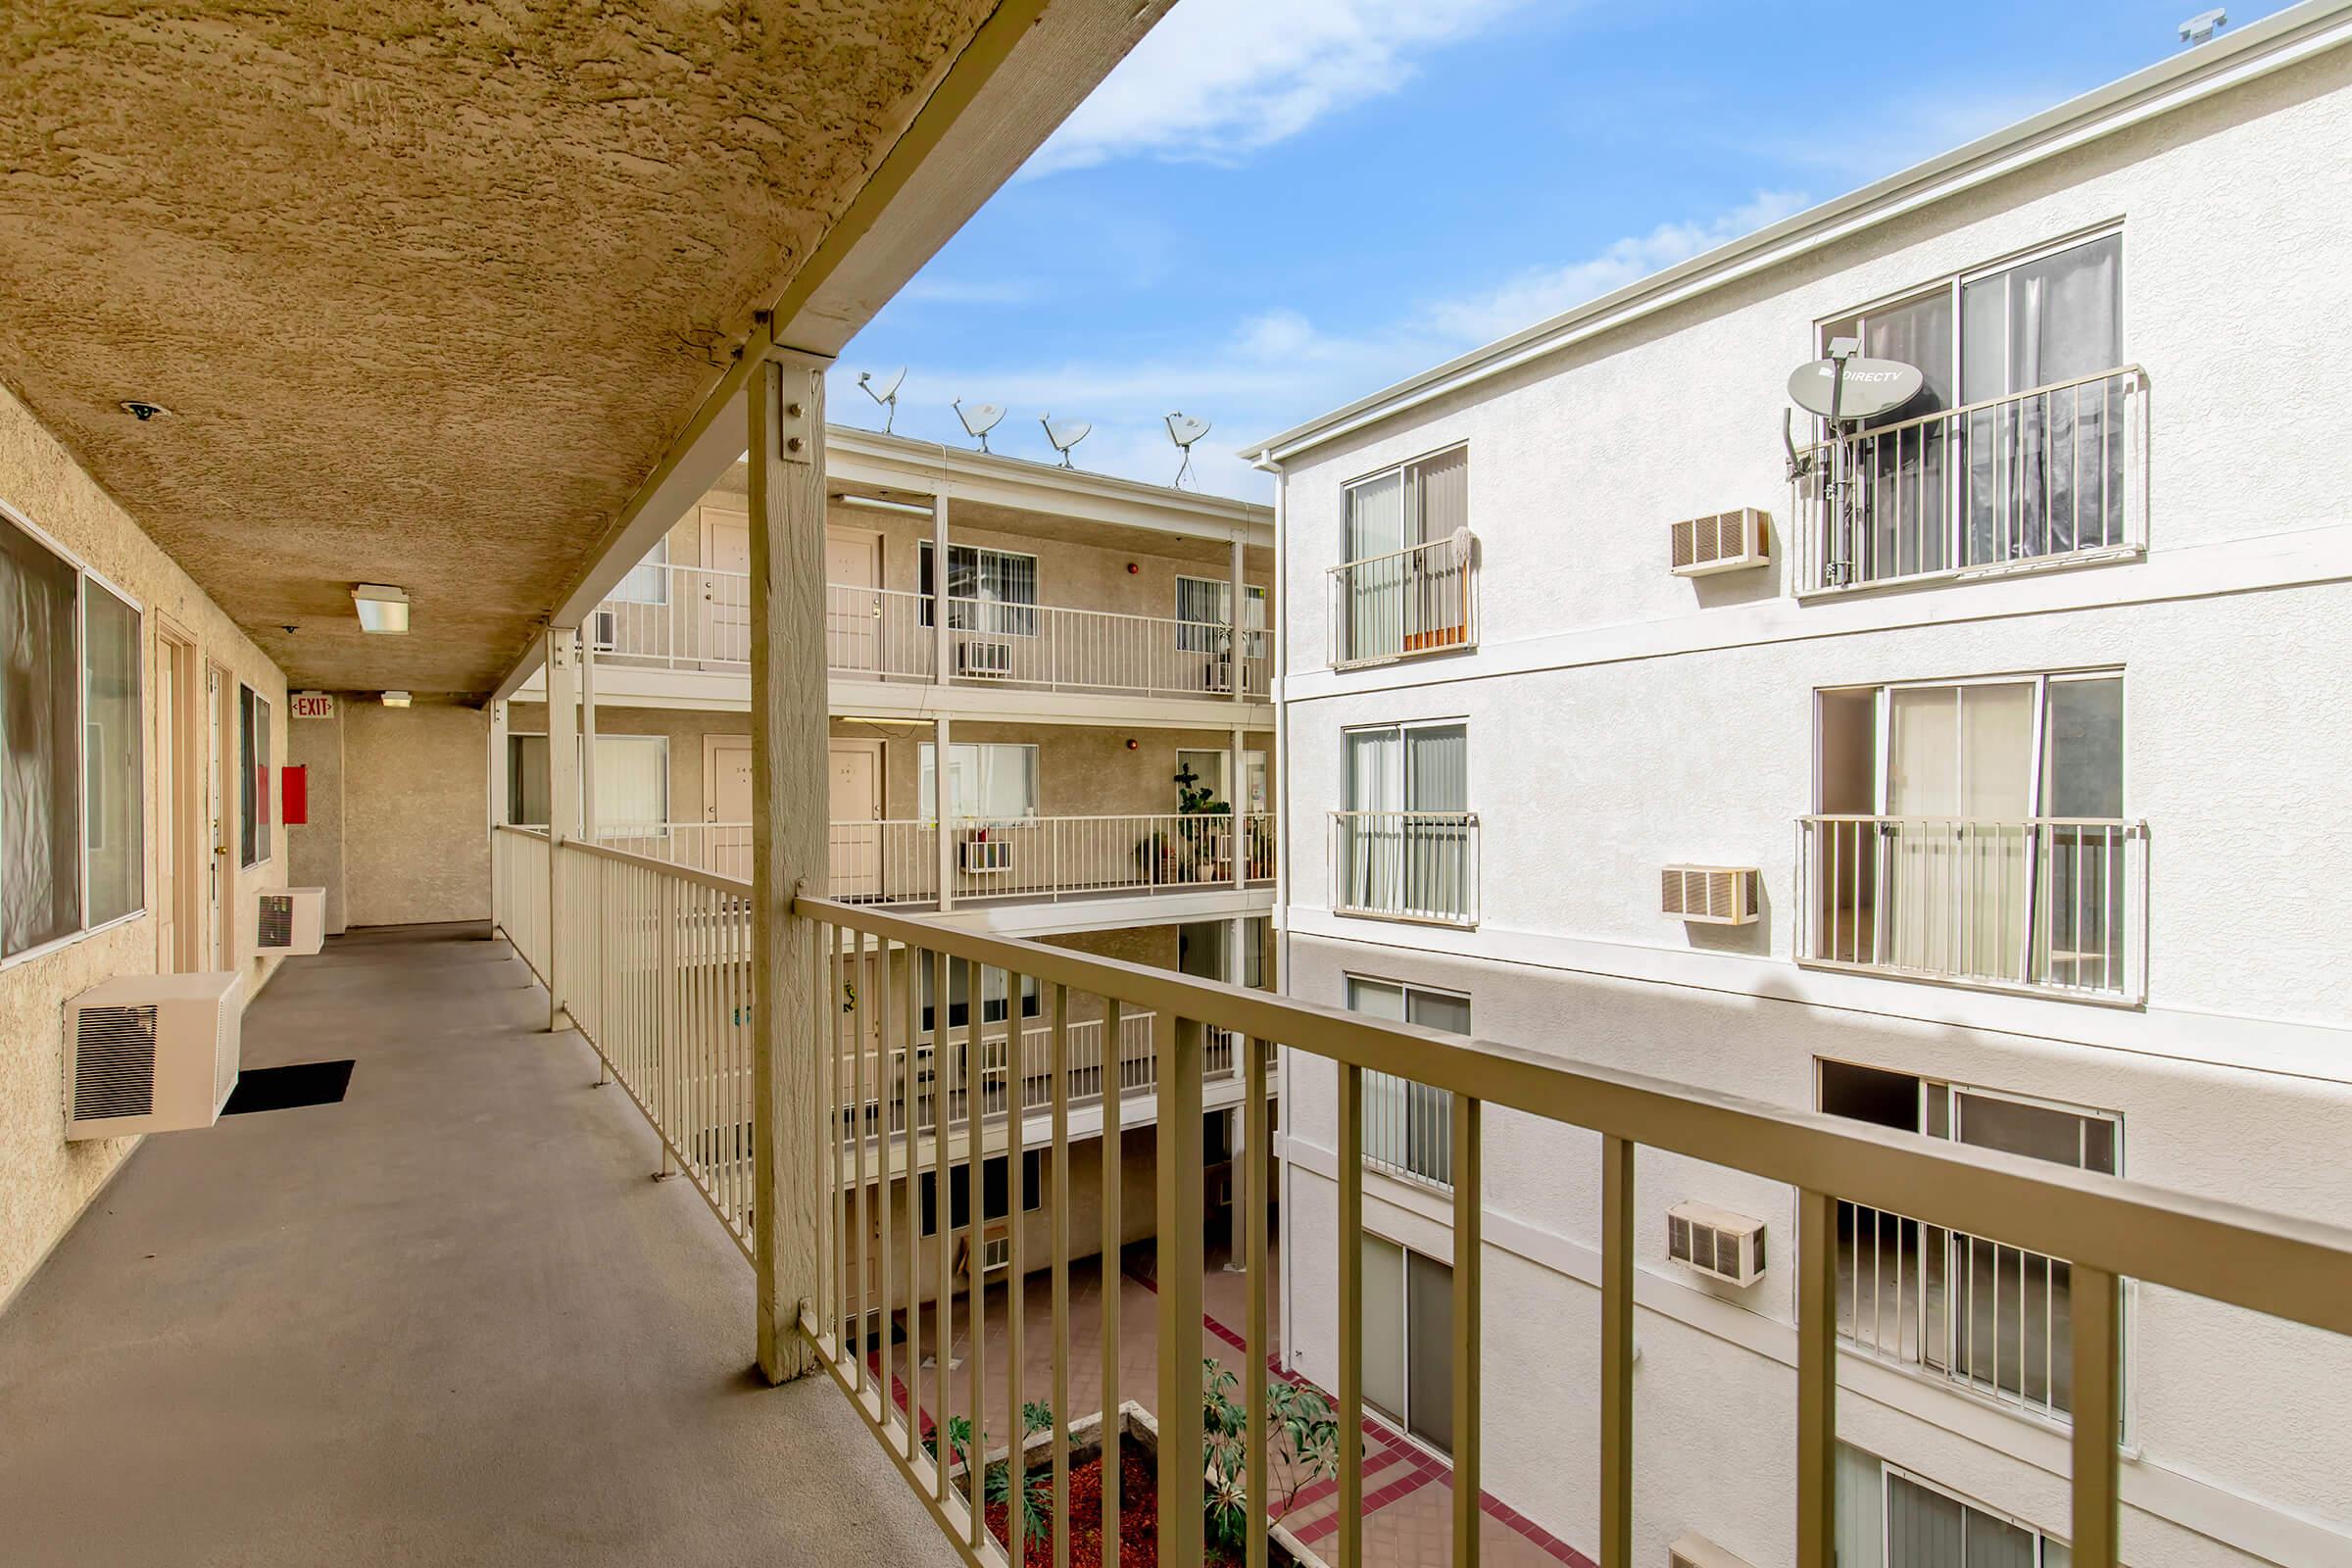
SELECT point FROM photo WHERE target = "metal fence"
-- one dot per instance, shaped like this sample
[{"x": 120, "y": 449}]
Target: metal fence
[
  {"x": 1051, "y": 857},
  {"x": 1406, "y": 865},
  {"x": 1420, "y": 600}
]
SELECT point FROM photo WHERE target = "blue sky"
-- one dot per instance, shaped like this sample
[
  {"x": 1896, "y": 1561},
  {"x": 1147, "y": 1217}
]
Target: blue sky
[{"x": 1273, "y": 207}]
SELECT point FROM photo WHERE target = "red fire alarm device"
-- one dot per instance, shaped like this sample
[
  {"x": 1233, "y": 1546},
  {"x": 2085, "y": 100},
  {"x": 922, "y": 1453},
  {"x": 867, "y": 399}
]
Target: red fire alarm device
[{"x": 294, "y": 796}]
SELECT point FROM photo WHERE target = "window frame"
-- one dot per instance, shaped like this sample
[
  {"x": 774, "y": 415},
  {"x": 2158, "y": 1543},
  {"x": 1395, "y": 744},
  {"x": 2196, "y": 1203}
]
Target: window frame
[
  {"x": 1400, "y": 468},
  {"x": 1890, "y": 1472},
  {"x": 1254, "y": 636},
  {"x": 85, "y": 574},
  {"x": 2042, "y": 680},
  {"x": 655, "y": 559},
  {"x": 1037, "y": 777},
  {"x": 959, "y": 1177},
  {"x": 668, "y": 782},
  {"x": 1401, "y": 1169},
  {"x": 253, "y": 764},
  {"x": 927, "y": 593}
]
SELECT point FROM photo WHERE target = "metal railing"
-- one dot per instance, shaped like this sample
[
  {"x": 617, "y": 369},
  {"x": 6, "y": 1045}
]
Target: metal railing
[
  {"x": 676, "y": 617},
  {"x": 1406, "y": 865},
  {"x": 1052, "y": 858},
  {"x": 681, "y": 1037},
  {"x": 1409, "y": 1130},
  {"x": 723, "y": 849},
  {"x": 1421, "y": 599},
  {"x": 2049, "y": 905},
  {"x": 2043, "y": 476},
  {"x": 886, "y": 633},
  {"x": 519, "y": 887}
]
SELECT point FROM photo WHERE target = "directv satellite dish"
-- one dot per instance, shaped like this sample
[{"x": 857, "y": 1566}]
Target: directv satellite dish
[
  {"x": 1853, "y": 387},
  {"x": 1184, "y": 430},
  {"x": 887, "y": 395},
  {"x": 979, "y": 420},
  {"x": 1844, "y": 389},
  {"x": 1065, "y": 435}
]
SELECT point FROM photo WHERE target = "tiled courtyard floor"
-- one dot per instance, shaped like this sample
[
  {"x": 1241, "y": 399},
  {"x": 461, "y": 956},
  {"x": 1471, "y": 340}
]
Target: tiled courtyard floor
[{"x": 1408, "y": 1491}]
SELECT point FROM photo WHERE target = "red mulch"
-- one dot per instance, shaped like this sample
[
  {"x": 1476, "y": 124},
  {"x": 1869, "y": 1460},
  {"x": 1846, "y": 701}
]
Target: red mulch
[{"x": 1138, "y": 1516}]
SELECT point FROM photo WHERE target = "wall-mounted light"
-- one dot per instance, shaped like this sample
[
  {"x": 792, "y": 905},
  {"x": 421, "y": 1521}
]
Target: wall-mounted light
[
  {"x": 396, "y": 699},
  {"x": 1133, "y": 744},
  {"x": 1133, "y": 569},
  {"x": 381, "y": 608},
  {"x": 882, "y": 504}
]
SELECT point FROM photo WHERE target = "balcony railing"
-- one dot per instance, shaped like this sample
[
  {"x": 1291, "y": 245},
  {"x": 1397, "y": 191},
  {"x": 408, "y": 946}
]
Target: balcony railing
[
  {"x": 675, "y": 617},
  {"x": 2048, "y": 905},
  {"x": 1050, "y": 857},
  {"x": 2053, "y": 475},
  {"x": 1422, "y": 600},
  {"x": 886, "y": 633},
  {"x": 665, "y": 1006},
  {"x": 1406, "y": 865}
]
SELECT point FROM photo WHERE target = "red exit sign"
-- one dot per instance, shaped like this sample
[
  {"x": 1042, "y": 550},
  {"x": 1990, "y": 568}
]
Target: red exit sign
[{"x": 314, "y": 704}]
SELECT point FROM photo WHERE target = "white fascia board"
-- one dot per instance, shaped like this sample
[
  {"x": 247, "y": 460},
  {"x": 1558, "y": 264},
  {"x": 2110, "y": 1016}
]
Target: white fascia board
[
  {"x": 919, "y": 702},
  {"x": 1036, "y": 917},
  {"x": 2271, "y": 44}
]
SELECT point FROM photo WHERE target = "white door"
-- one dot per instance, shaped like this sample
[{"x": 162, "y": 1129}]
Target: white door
[
  {"x": 727, "y": 801},
  {"x": 856, "y": 806},
  {"x": 220, "y": 889},
  {"x": 167, "y": 823},
  {"x": 853, "y": 602},
  {"x": 726, "y": 616}
]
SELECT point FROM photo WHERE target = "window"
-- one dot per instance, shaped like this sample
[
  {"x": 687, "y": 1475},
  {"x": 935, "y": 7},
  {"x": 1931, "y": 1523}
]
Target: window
[
  {"x": 114, "y": 811},
  {"x": 996, "y": 1197},
  {"x": 1210, "y": 770},
  {"x": 632, "y": 781},
  {"x": 1989, "y": 1316},
  {"x": 1974, "y": 830},
  {"x": 1406, "y": 846},
  {"x": 1404, "y": 587},
  {"x": 1205, "y": 609},
  {"x": 1408, "y": 1339},
  {"x": 993, "y": 592},
  {"x": 252, "y": 776},
  {"x": 986, "y": 782},
  {"x": 1888, "y": 1519},
  {"x": 1408, "y": 1127},
  {"x": 2034, "y": 466},
  {"x": 648, "y": 582},
  {"x": 991, "y": 996}
]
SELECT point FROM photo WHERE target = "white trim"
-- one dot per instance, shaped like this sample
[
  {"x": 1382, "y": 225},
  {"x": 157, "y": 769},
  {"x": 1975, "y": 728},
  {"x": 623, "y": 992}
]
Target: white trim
[{"x": 59, "y": 944}]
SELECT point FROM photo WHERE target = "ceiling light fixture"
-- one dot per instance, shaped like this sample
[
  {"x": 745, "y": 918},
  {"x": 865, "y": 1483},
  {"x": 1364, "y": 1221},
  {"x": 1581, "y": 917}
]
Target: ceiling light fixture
[
  {"x": 142, "y": 410},
  {"x": 381, "y": 608},
  {"x": 879, "y": 504},
  {"x": 396, "y": 699}
]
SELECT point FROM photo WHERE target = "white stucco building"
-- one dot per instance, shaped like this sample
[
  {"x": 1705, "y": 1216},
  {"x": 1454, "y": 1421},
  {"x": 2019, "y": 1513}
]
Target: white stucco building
[{"x": 2017, "y": 755}]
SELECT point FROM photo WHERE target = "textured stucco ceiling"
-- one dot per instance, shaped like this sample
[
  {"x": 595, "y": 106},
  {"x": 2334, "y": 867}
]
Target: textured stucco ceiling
[{"x": 428, "y": 287}]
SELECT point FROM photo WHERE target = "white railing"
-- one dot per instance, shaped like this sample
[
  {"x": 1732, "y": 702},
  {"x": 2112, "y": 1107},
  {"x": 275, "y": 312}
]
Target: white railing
[
  {"x": 1409, "y": 1129},
  {"x": 1406, "y": 865},
  {"x": 668, "y": 1011},
  {"x": 888, "y": 634},
  {"x": 2053, "y": 905},
  {"x": 2046, "y": 476},
  {"x": 723, "y": 849},
  {"x": 1049, "y": 856},
  {"x": 519, "y": 887},
  {"x": 678, "y": 618},
  {"x": 1422, "y": 600}
]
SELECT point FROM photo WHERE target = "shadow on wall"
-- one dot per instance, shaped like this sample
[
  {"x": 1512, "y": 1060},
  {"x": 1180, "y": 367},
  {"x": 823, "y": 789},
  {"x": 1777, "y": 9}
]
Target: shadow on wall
[
  {"x": 1753, "y": 939},
  {"x": 1748, "y": 585}
]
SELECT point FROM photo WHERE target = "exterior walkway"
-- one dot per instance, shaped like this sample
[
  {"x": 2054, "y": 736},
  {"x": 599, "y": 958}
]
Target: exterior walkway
[{"x": 450, "y": 1320}]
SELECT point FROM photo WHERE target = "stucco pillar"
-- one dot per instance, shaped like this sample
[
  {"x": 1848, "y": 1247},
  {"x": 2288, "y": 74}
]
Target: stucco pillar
[
  {"x": 942, "y": 796},
  {"x": 588, "y": 813},
  {"x": 562, "y": 804},
  {"x": 499, "y": 785},
  {"x": 785, "y": 415},
  {"x": 1237, "y": 793}
]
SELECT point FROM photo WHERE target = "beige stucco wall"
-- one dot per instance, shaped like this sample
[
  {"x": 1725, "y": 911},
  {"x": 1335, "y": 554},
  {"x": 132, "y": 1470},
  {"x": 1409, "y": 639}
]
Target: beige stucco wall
[
  {"x": 418, "y": 794},
  {"x": 315, "y": 850},
  {"x": 45, "y": 1180}
]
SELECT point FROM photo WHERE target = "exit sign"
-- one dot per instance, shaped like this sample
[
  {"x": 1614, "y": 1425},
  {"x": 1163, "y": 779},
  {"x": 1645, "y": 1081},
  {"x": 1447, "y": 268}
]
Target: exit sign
[{"x": 314, "y": 704}]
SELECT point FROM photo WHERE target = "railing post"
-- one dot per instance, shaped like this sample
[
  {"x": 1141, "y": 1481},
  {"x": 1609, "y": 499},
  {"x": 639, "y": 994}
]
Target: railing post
[
  {"x": 942, "y": 796},
  {"x": 562, "y": 804},
  {"x": 1180, "y": 1179},
  {"x": 1816, "y": 1380},
  {"x": 939, "y": 591},
  {"x": 2097, "y": 1409},
  {"x": 1616, "y": 1353},
  {"x": 785, "y": 412}
]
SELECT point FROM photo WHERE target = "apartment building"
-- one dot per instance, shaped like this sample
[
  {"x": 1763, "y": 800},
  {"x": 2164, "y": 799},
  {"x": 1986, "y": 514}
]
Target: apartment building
[
  {"x": 1965, "y": 769},
  {"x": 1096, "y": 697}
]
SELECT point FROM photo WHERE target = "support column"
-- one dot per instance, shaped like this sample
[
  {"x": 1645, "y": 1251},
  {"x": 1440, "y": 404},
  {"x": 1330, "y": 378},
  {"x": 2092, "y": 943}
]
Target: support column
[
  {"x": 589, "y": 820},
  {"x": 942, "y": 796},
  {"x": 939, "y": 588},
  {"x": 497, "y": 810},
  {"x": 562, "y": 806},
  {"x": 785, "y": 420},
  {"x": 1238, "y": 613},
  {"x": 1237, "y": 797}
]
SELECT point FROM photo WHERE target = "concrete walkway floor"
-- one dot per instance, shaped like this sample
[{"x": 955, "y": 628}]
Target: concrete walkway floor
[{"x": 450, "y": 1320}]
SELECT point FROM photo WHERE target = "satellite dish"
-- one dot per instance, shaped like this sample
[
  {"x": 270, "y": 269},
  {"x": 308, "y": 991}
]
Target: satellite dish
[
  {"x": 887, "y": 394},
  {"x": 1850, "y": 387},
  {"x": 1064, "y": 435},
  {"x": 1184, "y": 430},
  {"x": 979, "y": 420}
]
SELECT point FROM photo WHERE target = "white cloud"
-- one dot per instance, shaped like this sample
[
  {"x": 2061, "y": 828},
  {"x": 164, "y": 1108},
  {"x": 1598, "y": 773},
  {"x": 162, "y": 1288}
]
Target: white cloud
[
  {"x": 1218, "y": 79},
  {"x": 965, "y": 291}
]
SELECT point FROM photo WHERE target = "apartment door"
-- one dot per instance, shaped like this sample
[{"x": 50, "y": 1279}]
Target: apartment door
[
  {"x": 1960, "y": 782},
  {"x": 856, "y": 814},
  {"x": 725, "y": 625},
  {"x": 853, "y": 600},
  {"x": 180, "y": 857},
  {"x": 727, "y": 803},
  {"x": 220, "y": 889}
]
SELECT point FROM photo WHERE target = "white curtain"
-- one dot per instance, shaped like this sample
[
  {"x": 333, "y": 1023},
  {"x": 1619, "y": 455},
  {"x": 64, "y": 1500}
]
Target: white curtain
[
  {"x": 996, "y": 783},
  {"x": 1376, "y": 531},
  {"x": 1370, "y": 865},
  {"x": 40, "y": 876},
  {"x": 632, "y": 781},
  {"x": 1436, "y": 769}
]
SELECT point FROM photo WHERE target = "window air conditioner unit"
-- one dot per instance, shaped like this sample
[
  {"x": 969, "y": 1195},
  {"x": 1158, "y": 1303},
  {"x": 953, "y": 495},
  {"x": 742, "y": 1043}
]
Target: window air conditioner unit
[
  {"x": 1710, "y": 895},
  {"x": 151, "y": 1054},
  {"x": 984, "y": 854},
  {"x": 604, "y": 630},
  {"x": 285, "y": 921},
  {"x": 1728, "y": 541},
  {"x": 1716, "y": 1243},
  {"x": 996, "y": 1251},
  {"x": 1218, "y": 675},
  {"x": 993, "y": 659},
  {"x": 1697, "y": 1551}
]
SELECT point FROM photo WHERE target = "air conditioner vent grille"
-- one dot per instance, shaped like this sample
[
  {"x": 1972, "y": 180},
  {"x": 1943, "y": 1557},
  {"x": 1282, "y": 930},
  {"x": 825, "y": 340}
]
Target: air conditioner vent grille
[
  {"x": 1722, "y": 541},
  {"x": 1715, "y": 1241},
  {"x": 274, "y": 928},
  {"x": 1711, "y": 895},
  {"x": 114, "y": 1062}
]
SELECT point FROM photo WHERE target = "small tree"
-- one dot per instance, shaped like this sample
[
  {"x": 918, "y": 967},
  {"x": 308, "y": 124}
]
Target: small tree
[{"x": 1300, "y": 1425}]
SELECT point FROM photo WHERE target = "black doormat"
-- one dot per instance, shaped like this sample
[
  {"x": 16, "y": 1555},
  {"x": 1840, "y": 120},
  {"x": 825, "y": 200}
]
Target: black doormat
[{"x": 306, "y": 1083}]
